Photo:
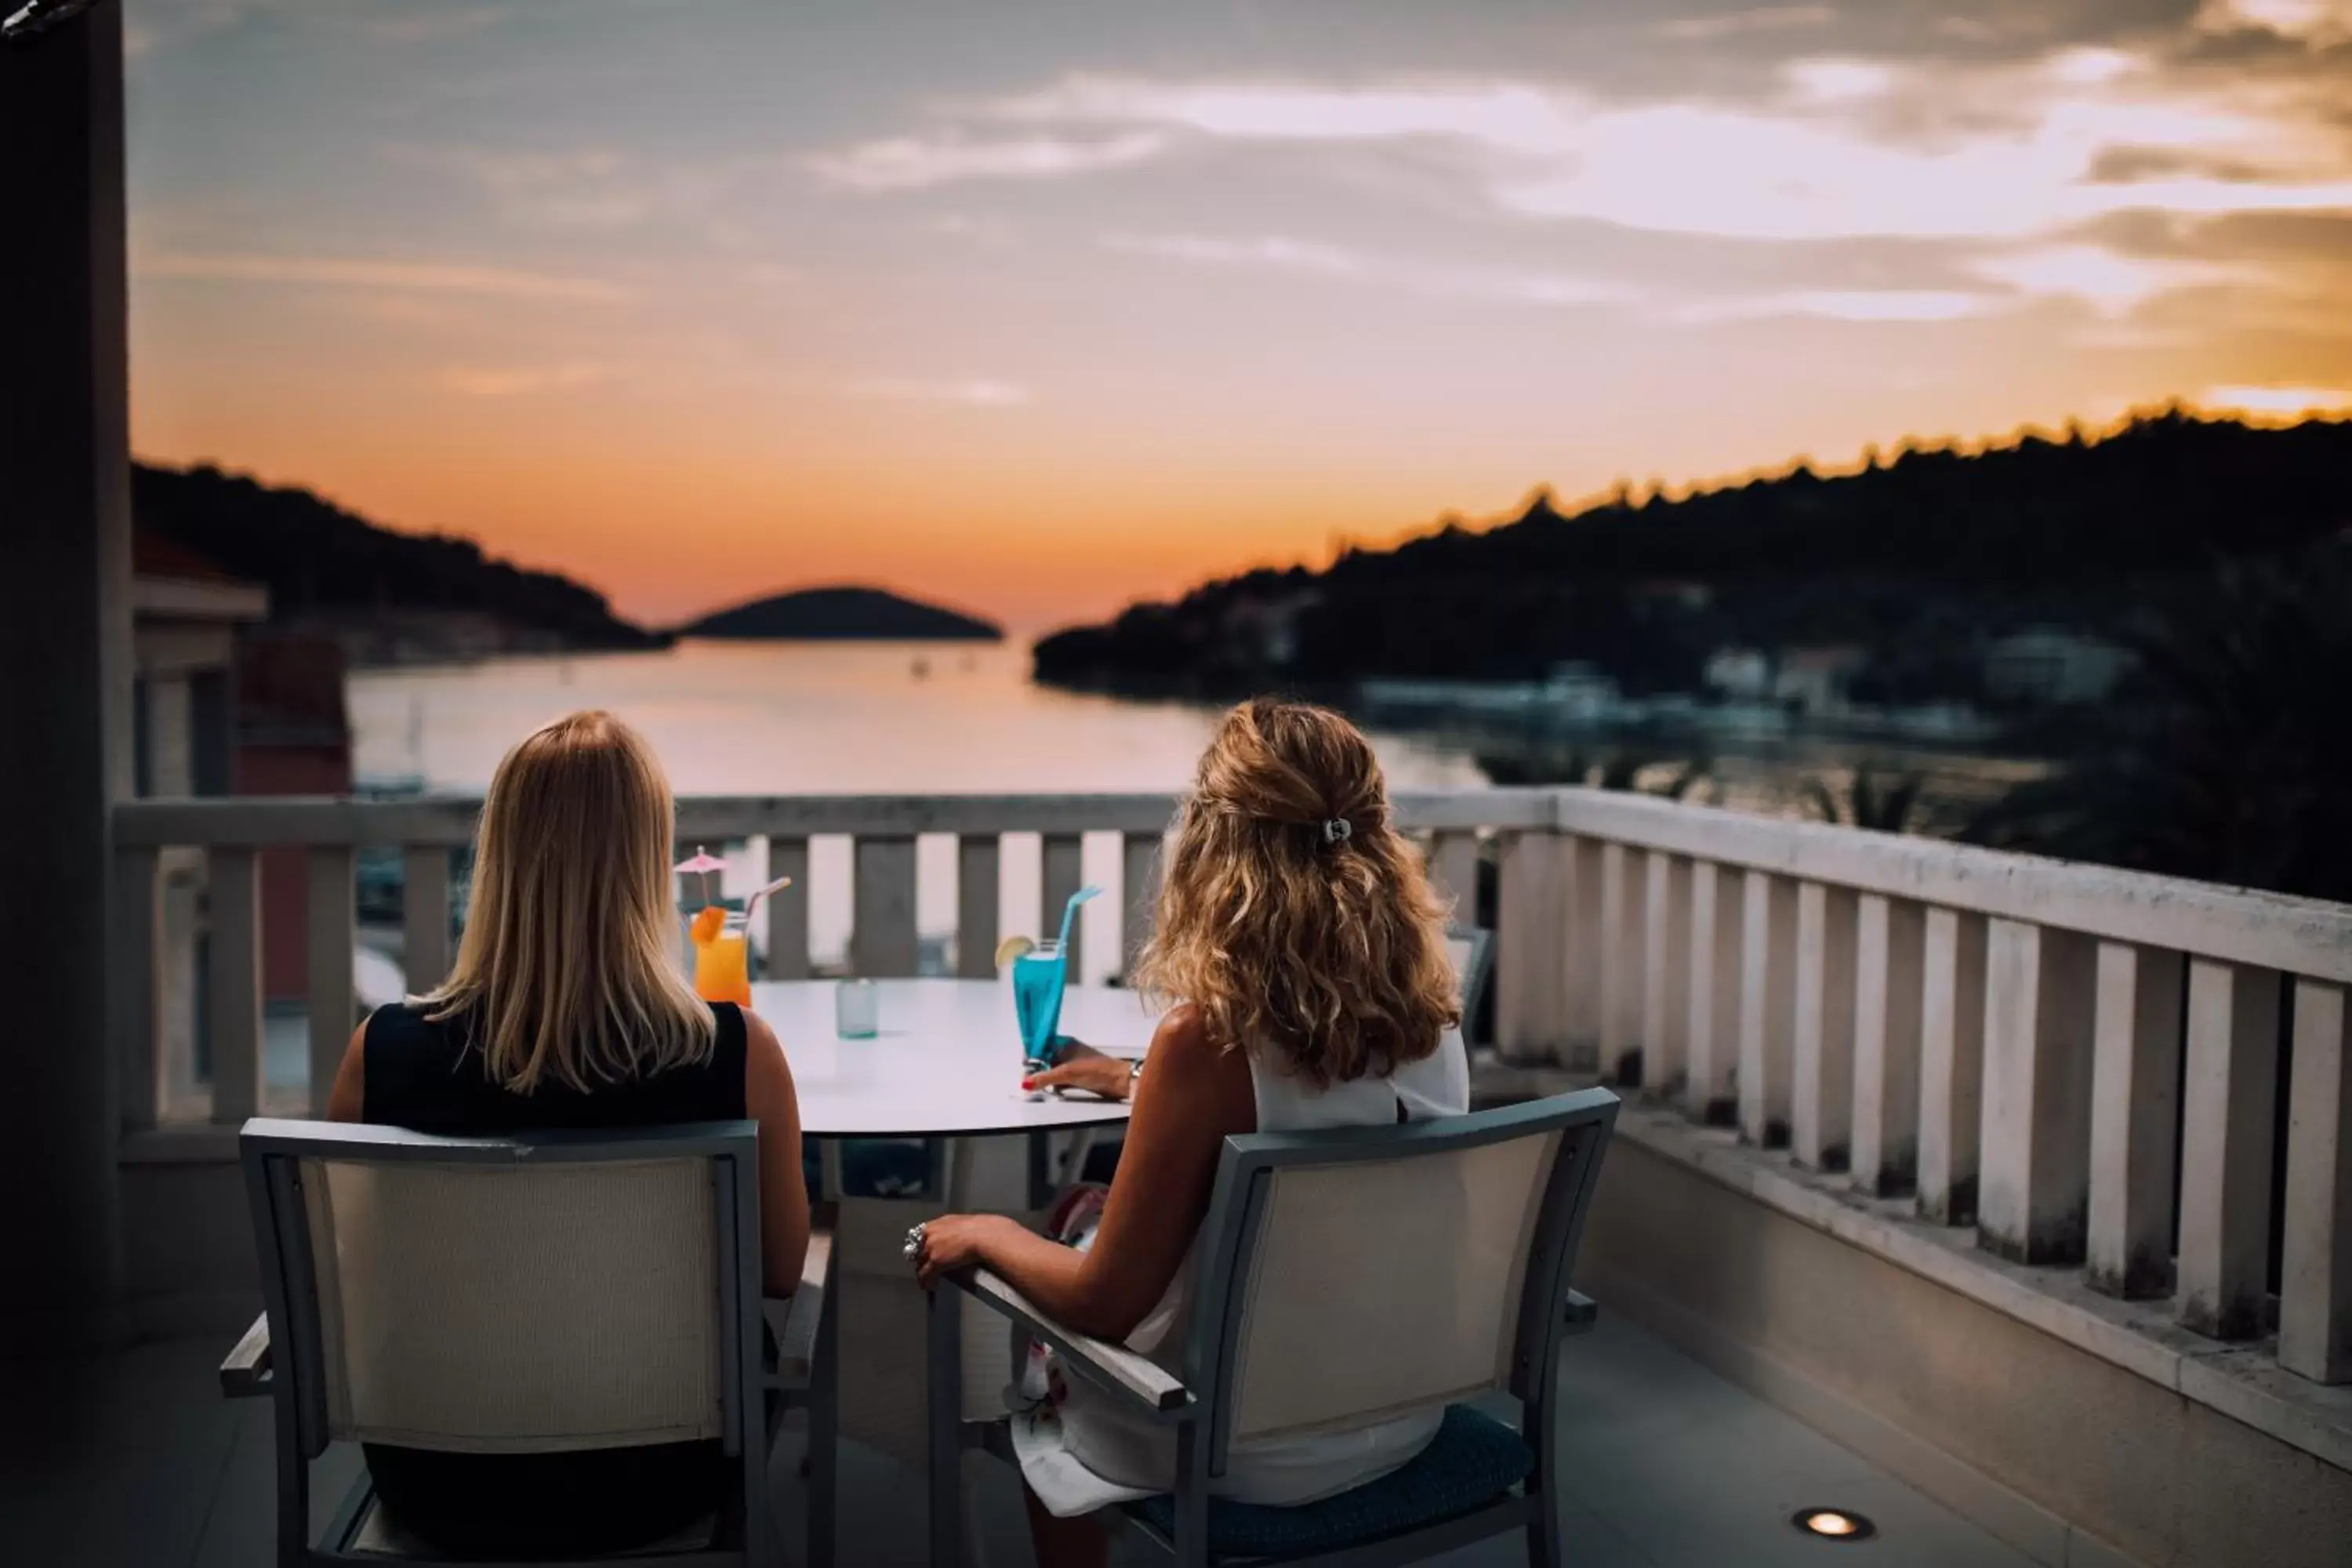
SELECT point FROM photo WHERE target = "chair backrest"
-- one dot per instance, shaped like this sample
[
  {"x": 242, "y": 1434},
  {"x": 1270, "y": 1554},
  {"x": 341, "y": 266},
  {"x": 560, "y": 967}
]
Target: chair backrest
[
  {"x": 1471, "y": 950},
  {"x": 1355, "y": 1274},
  {"x": 528, "y": 1294}
]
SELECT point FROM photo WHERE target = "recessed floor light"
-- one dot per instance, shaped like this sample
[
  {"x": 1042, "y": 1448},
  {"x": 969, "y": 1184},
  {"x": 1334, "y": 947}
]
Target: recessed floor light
[{"x": 1834, "y": 1525}]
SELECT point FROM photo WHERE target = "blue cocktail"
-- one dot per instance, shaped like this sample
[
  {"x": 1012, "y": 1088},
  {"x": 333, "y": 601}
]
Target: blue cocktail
[{"x": 1038, "y": 978}]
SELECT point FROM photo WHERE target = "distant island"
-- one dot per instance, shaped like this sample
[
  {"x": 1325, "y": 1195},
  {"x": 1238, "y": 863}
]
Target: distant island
[
  {"x": 1935, "y": 575},
  {"x": 842, "y": 615},
  {"x": 388, "y": 598}
]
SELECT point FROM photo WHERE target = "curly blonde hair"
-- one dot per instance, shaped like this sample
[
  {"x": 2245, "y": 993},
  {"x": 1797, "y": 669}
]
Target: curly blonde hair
[{"x": 1293, "y": 916}]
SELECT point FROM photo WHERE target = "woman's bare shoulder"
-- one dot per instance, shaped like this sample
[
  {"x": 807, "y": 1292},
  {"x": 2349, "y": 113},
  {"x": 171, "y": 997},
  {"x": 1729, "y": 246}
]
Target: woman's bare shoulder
[{"x": 1187, "y": 1057}]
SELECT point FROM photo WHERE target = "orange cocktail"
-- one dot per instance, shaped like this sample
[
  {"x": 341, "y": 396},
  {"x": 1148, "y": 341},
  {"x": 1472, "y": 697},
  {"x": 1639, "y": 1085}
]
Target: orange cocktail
[{"x": 722, "y": 957}]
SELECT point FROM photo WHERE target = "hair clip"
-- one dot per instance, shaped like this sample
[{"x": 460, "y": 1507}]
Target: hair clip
[{"x": 1338, "y": 830}]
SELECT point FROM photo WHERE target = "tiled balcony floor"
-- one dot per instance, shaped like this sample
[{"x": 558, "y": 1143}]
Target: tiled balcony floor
[{"x": 133, "y": 1459}]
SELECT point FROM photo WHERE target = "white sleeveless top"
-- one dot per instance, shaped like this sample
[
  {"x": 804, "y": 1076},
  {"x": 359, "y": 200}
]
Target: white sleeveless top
[{"x": 1091, "y": 1452}]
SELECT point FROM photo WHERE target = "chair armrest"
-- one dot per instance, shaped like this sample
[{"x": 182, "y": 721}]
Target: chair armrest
[
  {"x": 246, "y": 1373},
  {"x": 1583, "y": 1312},
  {"x": 796, "y": 1318},
  {"x": 1115, "y": 1368}
]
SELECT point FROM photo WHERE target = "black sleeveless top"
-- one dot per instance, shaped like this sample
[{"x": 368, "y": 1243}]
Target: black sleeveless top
[{"x": 429, "y": 1076}]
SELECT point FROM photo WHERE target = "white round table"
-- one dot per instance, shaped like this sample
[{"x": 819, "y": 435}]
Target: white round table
[{"x": 946, "y": 1061}]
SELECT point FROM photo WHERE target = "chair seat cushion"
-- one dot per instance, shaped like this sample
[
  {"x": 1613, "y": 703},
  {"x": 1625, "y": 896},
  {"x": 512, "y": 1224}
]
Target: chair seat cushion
[{"x": 1472, "y": 1460}]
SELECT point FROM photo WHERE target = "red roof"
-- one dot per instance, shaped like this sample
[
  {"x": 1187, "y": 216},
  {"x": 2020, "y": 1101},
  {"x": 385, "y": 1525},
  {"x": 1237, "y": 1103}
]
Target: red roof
[{"x": 153, "y": 556}]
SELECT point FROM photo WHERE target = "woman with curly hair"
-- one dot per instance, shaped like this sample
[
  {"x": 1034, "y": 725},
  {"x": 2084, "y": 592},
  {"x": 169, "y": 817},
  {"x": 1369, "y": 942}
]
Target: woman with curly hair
[{"x": 1305, "y": 954}]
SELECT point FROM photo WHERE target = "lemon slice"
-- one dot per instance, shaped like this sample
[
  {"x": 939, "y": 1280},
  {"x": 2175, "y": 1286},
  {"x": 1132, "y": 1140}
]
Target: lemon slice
[{"x": 1012, "y": 947}]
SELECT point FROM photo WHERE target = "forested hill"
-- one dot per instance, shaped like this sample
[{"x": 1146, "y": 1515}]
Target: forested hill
[
  {"x": 1912, "y": 559},
  {"x": 842, "y": 615},
  {"x": 324, "y": 564}
]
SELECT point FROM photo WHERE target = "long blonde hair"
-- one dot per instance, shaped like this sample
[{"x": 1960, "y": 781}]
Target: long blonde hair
[
  {"x": 1292, "y": 914},
  {"x": 567, "y": 970}
]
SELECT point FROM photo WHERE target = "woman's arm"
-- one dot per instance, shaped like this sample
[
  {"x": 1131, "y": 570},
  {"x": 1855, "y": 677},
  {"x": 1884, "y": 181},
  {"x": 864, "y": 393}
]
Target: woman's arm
[
  {"x": 347, "y": 1101},
  {"x": 1190, "y": 1099},
  {"x": 768, "y": 1096}
]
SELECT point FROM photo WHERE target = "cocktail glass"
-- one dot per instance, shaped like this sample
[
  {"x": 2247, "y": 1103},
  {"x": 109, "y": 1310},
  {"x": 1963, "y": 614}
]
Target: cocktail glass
[
  {"x": 1038, "y": 978},
  {"x": 723, "y": 965}
]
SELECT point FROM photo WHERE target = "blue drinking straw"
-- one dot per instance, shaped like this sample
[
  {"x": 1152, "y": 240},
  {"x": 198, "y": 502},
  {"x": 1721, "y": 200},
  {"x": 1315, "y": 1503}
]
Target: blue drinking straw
[
  {"x": 1070, "y": 912},
  {"x": 1051, "y": 1044}
]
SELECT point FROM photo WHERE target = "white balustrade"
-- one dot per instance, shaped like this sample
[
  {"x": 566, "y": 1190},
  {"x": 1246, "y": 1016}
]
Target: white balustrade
[
  {"x": 1580, "y": 867},
  {"x": 788, "y": 912},
  {"x": 1951, "y": 1064},
  {"x": 1889, "y": 1017},
  {"x": 1821, "y": 1122},
  {"x": 1666, "y": 975},
  {"x": 2231, "y": 1099},
  {"x": 882, "y": 911},
  {"x": 425, "y": 909},
  {"x": 2035, "y": 1148},
  {"x": 1530, "y": 981},
  {"x": 233, "y": 981},
  {"x": 331, "y": 929},
  {"x": 1624, "y": 894},
  {"x": 978, "y": 857},
  {"x": 2135, "y": 1115},
  {"x": 2315, "y": 1262},
  {"x": 1453, "y": 868},
  {"x": 1063, "y": 870},
  {"x": 1718, "y": 900},
  {"x": 2007, "y": 1036},
  {"x": 1768, "y": 984},
  {"x": 1138, "y": 863}
]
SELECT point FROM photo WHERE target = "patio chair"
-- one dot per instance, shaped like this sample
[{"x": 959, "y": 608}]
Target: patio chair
[
  {"x": 1344, "y": 1277},
  {"x": 1472, "y": 951},
  {"x": 530, "y": 1294}
]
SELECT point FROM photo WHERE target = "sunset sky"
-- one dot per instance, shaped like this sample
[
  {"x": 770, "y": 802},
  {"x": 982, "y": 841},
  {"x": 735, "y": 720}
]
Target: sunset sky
[{"x": 1039, "y": 307}]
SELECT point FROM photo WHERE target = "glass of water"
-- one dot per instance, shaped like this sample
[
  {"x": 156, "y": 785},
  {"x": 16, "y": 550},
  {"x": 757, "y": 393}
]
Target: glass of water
[{"x": 856, "y": 1010}]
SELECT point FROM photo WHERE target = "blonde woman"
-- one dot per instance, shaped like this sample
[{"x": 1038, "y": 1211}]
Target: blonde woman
[
  {"x": 1306, "y": 952},
  {"x": 567, "y": 1009}
]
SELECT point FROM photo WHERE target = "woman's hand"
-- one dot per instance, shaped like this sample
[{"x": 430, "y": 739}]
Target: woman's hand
[
  {"x": 1082, "y": 1067},
  {"x": 957, "y": 1241}
]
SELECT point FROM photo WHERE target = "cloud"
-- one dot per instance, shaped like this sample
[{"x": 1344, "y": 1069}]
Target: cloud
[
  {"x": 2109, "y": 282},
  {"x": 2321, "y": 21},
  {"x": 587, "y": 189},
  {"x": 348, "y": 272},
  {"x": 1315, "y": 260},
  {"x": 1864, "y": 148},
  {"x": 1272, "y": 251},
  {"x": 1842, "y": 305},
  {"x": 912, "y": 163},
  {"x": 1503, "y": 116},
  {"x": 476, "y": 382},
  {"x": 1765, "y": 19},
  {"x": 2277, "y": 402},
  {"x": 978, "y": 393},
  {"x": 1838, "y": 80}
]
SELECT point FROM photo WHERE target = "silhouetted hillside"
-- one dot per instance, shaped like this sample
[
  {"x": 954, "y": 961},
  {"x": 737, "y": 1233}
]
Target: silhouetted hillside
[
  {"x": 391, "y": 595},
  {"x": 833, "y": 614},
  {"x": 1916, "y": 561}
]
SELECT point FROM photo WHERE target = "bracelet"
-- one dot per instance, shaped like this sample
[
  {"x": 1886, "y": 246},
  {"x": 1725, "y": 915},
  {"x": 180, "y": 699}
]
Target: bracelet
[{"x": 1134, "y": 1071}]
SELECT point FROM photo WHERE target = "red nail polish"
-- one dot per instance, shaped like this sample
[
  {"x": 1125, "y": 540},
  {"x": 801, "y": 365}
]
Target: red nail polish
[{"x": 1028, "y": 1083}]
